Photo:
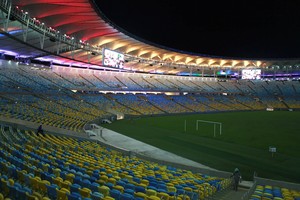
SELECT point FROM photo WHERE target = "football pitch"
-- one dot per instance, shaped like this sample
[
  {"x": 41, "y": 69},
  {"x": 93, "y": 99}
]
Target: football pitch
[{"x": 243, "y": 142}]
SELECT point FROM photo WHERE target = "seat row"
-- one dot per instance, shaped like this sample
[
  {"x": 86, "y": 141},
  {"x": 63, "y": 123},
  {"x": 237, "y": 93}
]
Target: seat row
[{"x": 59, "y": 167}]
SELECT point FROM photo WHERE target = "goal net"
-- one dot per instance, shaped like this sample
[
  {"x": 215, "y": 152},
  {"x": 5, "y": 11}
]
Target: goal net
[{"x": 217, "y": 126}]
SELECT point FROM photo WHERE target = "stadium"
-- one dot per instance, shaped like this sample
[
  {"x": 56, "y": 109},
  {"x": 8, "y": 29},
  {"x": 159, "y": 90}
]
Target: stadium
[{"x": 127, "y": 119}]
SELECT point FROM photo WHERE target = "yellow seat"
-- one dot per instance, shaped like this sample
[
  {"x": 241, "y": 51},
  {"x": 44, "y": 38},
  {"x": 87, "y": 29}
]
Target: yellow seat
[
  {"x": 85, "y": 192},
  {"x": 21, "y": 176},
  {"x": 188, "y": 189},
  {"x": 34, "y": 182},
  {"x": 171, "y": 189},
  {"x": 112, "y": 180},
  {"x": 66, "y": 184},
  {"x": 37, "y": 172},
  {"x": 62, "y": 194},
  {"x": 119, "y": 187},
  {"x": 31, "y": 196},
  {"x": 108, "y": 198},
  {"x": 104, "y": 178},
  {"x": 129, "y": 178},
  {"x": 57, "y": 181},
  {"x": 152, "y": 197},
  {"x": 145, "y": 182},
  {"x": 150, "y": 192},
  {"x": 56, "y": 172},
  {"x": 163, "y": 195},
  {"x": 104, "y": 190},
  {"x": 42, "y": 186},
  {"x": 101, "y": 182},
  {"x": 70, "y": 177},
  {"x": 185, "y": 197},
  {"x": 140, "y": 195},
  {"x": 1, "y": 196},
  {"x": 4, "y": 187},
  {"x": 38, "y": 195}
]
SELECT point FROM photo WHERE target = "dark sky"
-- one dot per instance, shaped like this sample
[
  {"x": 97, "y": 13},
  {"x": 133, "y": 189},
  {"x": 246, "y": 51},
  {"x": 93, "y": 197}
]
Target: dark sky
[{"x": 241, "y": 28}]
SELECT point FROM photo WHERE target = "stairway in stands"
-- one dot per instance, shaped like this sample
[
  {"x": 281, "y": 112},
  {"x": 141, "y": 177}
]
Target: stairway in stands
[{"x": 230, "y": 194}]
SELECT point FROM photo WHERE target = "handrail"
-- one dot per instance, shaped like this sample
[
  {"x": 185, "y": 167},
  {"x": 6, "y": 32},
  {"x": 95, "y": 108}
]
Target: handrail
[{"x": 247, "y": 195}]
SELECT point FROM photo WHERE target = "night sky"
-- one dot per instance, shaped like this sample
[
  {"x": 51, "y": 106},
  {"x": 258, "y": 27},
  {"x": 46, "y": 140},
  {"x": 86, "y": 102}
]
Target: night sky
[{"x": 227, "y": 28}]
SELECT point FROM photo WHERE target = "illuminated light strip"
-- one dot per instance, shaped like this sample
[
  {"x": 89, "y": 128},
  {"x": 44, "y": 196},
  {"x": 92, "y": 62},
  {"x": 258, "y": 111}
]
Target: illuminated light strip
[{"x": 12, "y": 32}]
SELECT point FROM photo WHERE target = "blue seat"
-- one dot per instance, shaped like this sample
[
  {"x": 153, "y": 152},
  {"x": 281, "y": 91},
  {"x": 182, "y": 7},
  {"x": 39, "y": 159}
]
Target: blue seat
[
  {"x": 97, "y": 196},
  {"x": 152, "y": 188},
  {"x": 136, "y": 179},
  {"x": 27, "y": 178},
  {"x": 75, "y": 188},
  {"x": 77, "y": 179},
  {"x": 12, "y": 191},
  {"x": 49, "y": 177},
  {"x": 130, "y": 186},
  {"x": 162, "y": 186},
  {"x": 63, "y": 174},
  {"x": 126, "y": 196},
  {"x": 115, "y": 194},
  {"x": 162, "y": 190},
  {"x": 74, "y": 196},
  {"x": 129, "y": 191},
  {"x": 21, "y": 194},
  {"x": 52, "y": 191},
  {"x": 140, "y": 189},
  {"x": 12, "y": 171},
  {"x": 94, "y": 187},
  {"x": 180, "y": 191},
  {"x": 110, "y": 185},
  {"x": 122, "y": 183}
]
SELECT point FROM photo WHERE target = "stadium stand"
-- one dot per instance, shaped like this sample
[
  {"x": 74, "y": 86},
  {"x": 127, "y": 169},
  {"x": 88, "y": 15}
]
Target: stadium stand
[
  {"x": 68, "y": 96},
  {"x": 50, "y": 167},
  {"x": 69, "y": 100}
]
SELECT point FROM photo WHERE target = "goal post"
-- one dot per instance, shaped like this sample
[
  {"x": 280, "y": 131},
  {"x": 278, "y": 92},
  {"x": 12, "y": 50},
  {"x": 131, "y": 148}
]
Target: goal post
[{"x": 216, "y": 124}]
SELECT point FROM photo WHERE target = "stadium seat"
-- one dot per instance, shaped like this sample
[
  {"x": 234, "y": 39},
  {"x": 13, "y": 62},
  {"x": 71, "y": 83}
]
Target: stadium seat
[
  {"x": 52, "y": 191},
  {"x": 85, "y": 192},
  {"x": 126, "y": 196},
  {"x": 97, "y": 196},
  {"x": 62, "y": 194}
]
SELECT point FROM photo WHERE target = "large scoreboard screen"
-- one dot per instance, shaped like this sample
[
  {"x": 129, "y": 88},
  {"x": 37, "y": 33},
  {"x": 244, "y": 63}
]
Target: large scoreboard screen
[
  {"x": 113, "y": 59},
  {"x": 251, "y": 74}
]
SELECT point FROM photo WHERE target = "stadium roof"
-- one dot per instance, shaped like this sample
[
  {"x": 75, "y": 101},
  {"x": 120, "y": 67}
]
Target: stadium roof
[{"x": 74, "y": 32}]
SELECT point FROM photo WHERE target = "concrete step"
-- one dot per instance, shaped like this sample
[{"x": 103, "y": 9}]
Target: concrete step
[{"x": 230, "y": 194}]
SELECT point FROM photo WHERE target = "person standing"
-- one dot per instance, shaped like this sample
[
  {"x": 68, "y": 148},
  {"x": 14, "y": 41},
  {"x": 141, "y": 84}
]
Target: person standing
[
  {"x": 40, "y": 130},
  {"x": 236, "y": 175}
]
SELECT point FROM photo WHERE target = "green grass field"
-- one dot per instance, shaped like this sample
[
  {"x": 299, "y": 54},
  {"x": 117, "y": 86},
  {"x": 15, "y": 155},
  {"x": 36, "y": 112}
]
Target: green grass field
[{"x": 244, "y": 142}]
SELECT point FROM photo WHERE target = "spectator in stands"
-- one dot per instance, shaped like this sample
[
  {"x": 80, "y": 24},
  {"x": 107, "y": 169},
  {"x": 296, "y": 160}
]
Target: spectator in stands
[
  {"x": 236, "y": 175},
  {"x": 40, "y": 130}
]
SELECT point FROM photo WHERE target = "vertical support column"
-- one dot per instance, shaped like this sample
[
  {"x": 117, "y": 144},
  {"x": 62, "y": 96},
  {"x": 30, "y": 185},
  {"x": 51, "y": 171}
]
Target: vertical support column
[
  {"x": 214, "y": 72},
  {"x": 25, "y": 32},
  {"x": 7, "y": 18},
  {"x": 89, "y": 53},
  {"x": 58, "y": 45},
  {"x": 3, "y": 16},
  {"x": 43, "y": 39},
  {"x": 73, "y": 47}
]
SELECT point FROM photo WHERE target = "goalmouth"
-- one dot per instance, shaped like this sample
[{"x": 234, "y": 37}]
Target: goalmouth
[{"x": 216, "y": 125}]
